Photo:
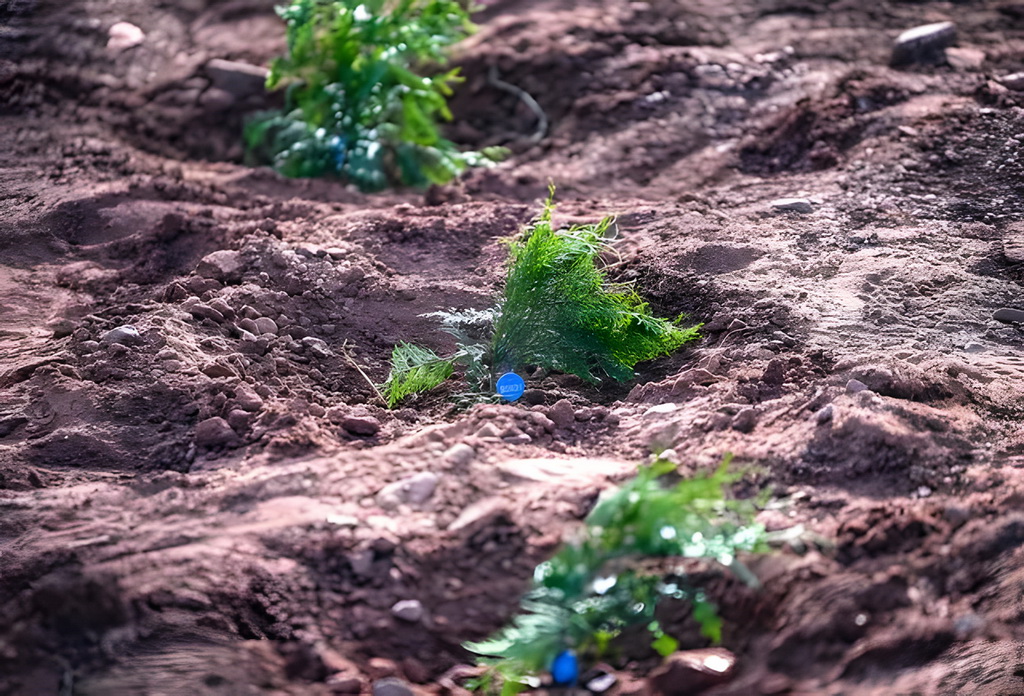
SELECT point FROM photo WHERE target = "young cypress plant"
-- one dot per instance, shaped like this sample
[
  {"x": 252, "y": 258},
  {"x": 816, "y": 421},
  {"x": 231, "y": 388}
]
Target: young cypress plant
[
  {"x": 594, "y": 587},
  {"x": 362, "y": 102},
  {"x": 558, "y": 311}
]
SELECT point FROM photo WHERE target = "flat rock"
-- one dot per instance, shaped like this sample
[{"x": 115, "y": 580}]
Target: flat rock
[
  {"x": 237, "y": 78},
  {"x": 965, "y": 58},
  {"x": 215, "y": 432},
  {"x": 125, "y": 335},
  {"x": 923, "y": 44},
  {"x": 792, "y": 205},
  {"x": 690, "y": 672},
  {"x": 224, "y": 265},
  {"x": 1014, "y": 81},
  {"x": 1009, "y": 316},
  {"x": 579, "y": 472},
  {"x": 364, "y": 426}
]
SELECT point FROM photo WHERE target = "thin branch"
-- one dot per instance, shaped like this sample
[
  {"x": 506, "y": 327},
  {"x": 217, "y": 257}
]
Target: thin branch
[
  {"x": 526, "y": 98},
  {"x": 353, "y": 363}
]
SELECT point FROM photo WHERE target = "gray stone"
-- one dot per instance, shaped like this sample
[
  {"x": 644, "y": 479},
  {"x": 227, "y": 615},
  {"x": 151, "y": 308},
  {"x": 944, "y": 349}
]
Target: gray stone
[
  {"x": 561, "y": 413},
  {"x": 248, "y": 325},
  {"x": 414, "y": 490},
  {"x": 460, "y": 454},
  {"x": 125, "y": 335},
  {"x": 1014, "y": 81},
  {"x": 1009, "y": 316},
  {"x": 205, "y": 311},
  {"x": 224, "y": 265},
  {"x": 365, "y": 426},
  {"x": 745, "y": 420},
  {"x": 237, "y": 78},
  {"x": 266, "y": 325},
  {"x": 222, "y": 307},
  {"x": 408, "y": 610},
  {"x": 239, "y": 420},
  {"x": 215, "y": 432},
  {"x": 391, "y": 686},
  {"x": 923, "y": 44},
  {"x": 317, "y": 347},
  {"x": 824, "y": 415},
  {"x": 854, "y": 386},
  {"x": 792, "y": 205}
]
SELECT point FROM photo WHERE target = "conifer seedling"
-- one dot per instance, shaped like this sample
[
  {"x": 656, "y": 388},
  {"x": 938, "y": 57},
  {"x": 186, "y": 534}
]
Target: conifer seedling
[{"x": 557, "y": 311}]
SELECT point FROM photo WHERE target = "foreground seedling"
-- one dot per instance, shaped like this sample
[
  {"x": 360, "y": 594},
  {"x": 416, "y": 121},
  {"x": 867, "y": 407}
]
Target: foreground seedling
[
  {"x": 594, "y": 587},
  {"x": 558, "y": 311},
  {"x": 362, "y": 102}
]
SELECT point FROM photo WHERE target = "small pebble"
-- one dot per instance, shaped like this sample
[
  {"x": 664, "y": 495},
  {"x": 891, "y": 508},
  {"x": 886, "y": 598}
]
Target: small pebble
[
  {"x": 215, "y": 432},
  {"x": 561, "y": 413},
  {"x": 792, "y": 205},
  {"x": 124, "y": 335},
  {"x": 408, "y": 610},
  {"x": 459, "y": 454},
  {"x": 391, "y": 687},
  {"x": 266, "y": 325},
  {"x": 365, "y": 426},
  {"x": 225, "y": 266},
  {"x": 854, "y": 386},
  {"x": 824, "y": 415}
]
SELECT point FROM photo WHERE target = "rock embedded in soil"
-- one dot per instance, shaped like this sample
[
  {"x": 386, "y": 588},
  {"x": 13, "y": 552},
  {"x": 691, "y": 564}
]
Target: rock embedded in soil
[
  {"x": 392, "y": 686},
  {"x": 408, "y": 610},
  {"x": 855, "y": 385},
  {"x": 561, "y": 413},
  {"x": 215, "y": 432},
  {"x": 364, "y": 426},
  {"x": 745, "y": 420},
  {"x": 239, "y": 79},
  {"x": 1009, "y": 316},
  {"x": 1014, "y": 81},
  {"x": 414, "y": 490},
  {"x": 691, "y": 672},
  {"x": 792, "y": 205},
  {"x": 225, "y": 266},
  {"x": 247, "y": 399},
  {"x": 124, "y": 335},
  {"x": 266, "y": 325},
  {"x": 459, "y": 454},
  {"x": 923, "y": 44}
]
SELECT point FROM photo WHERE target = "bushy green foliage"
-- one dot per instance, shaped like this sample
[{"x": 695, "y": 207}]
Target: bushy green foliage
[
  {"x": 592, "y": 589},
  {"x": 358, "y": 103},
  {"x": 559, "y": 312}
]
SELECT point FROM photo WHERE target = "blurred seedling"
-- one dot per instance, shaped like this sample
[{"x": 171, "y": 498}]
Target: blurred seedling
[
  {"x": 363, "y": 100},
  {"x": 596, "y": 587}
]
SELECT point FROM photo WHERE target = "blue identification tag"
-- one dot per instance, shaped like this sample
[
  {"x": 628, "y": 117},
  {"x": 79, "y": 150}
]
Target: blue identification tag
[
  {"x": 511, "y": 386},
  {"x": 565, "y": 669}
]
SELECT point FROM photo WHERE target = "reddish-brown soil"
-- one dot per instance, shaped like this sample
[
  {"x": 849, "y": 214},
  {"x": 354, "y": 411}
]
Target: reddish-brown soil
[{"x": 147, "y": 549}]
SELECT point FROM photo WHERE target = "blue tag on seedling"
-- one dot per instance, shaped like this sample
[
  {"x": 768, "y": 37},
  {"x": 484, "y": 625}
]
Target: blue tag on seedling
[
  {"x": 511, "y": 386},
  {"x": 565, "y": 669}
]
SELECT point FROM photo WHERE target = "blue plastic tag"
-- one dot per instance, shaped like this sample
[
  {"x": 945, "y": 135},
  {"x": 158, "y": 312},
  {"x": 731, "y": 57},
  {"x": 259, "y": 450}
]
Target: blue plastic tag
[
  {"x": 565, "y": 669},
  {"x": 511, "y": 386}
]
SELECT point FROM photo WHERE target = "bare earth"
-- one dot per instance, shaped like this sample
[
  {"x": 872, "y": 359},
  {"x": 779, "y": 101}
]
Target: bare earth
[{"x": 198, "y": 510}]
